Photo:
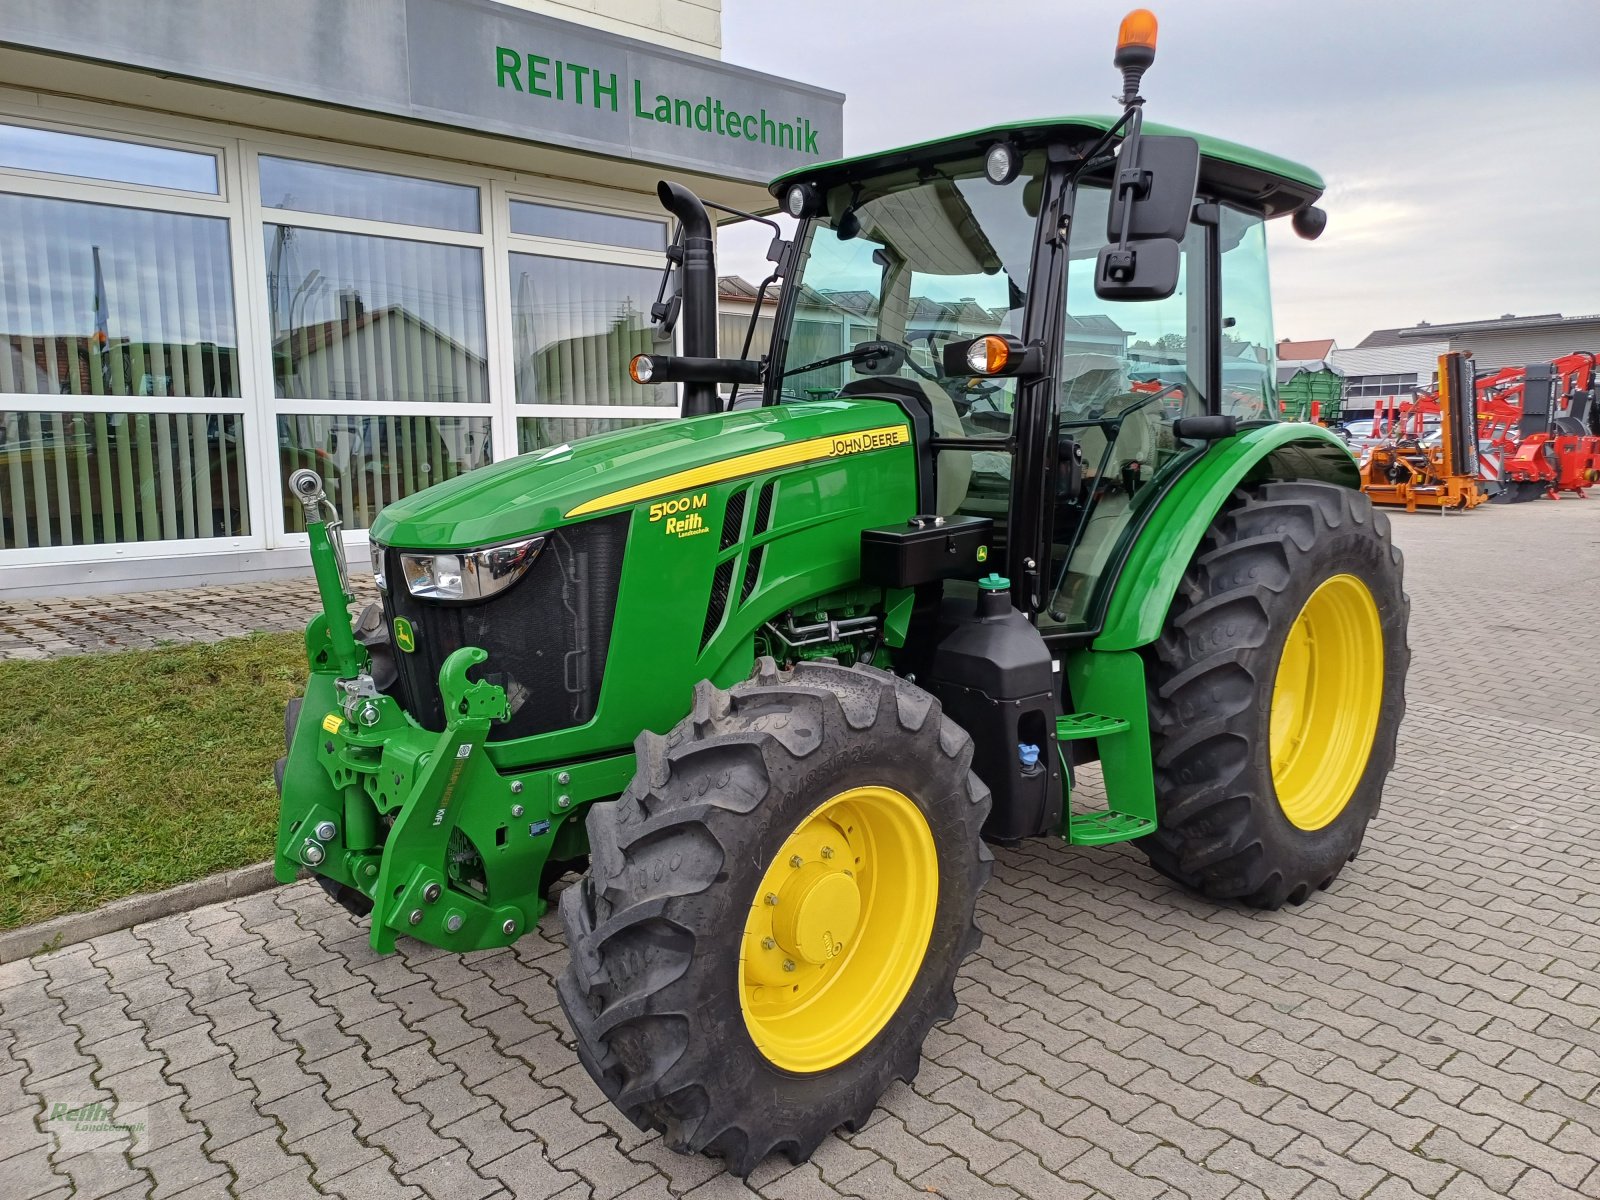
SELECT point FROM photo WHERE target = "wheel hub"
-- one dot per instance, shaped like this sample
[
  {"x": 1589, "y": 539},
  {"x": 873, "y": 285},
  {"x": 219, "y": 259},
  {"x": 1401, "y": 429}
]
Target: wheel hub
[
  {"x": 817, "y": 913},
  {"x": 838, "y": 928},
  {"x": 1326, "y": 700}
]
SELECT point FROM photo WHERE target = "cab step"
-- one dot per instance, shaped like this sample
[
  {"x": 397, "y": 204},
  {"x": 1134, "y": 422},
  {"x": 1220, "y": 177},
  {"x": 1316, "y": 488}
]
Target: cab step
[
  {"x": 1077, "y": 727},
  {"x": 1104, "y": 826}
]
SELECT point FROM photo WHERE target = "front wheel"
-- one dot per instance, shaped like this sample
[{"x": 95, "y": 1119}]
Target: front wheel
[
  {"x": 775, "y": 910},
  {"x": 1276, "y": 693}
]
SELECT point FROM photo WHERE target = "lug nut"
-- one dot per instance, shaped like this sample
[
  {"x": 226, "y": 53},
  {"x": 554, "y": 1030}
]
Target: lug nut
[
  {"x": 327, "y": 831},
  {"x": 769, "y": 943},
  {"x": 431, "y": 893},
  {"x": 788, "y": 964},
  {"x": 796, "y": 861},
  {"x": 416, "y": 916},
  {"x": 516, "y": 787},
  {"x": 509, "y": 928},
  {"x": 827, "y": 852},
  {"x": 453, "y": 922},
  {"x": 771, "y": 897},
  {"x": 516, "y": 810},
  {"x": 312, "y": 853}
]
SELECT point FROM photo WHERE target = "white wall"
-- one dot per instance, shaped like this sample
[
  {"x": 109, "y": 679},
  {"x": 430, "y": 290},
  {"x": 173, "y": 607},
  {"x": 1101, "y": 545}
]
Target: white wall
[
  {"x": 692, "y": 25},
  {"x": 1519, "y": 347}
]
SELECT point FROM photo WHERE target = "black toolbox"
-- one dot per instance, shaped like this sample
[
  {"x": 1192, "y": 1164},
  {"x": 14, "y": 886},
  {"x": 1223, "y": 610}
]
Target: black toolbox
[{"x": 926, "y": 549}]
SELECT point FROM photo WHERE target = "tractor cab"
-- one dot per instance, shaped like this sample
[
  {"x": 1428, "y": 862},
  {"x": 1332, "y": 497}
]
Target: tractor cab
[{"x": 967, "y": 280}]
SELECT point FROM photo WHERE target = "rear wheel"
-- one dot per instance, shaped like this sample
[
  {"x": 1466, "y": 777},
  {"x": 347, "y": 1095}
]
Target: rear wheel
[
  {"x": 775, "y": 910},
  {"x": 1276, "y": 693}
]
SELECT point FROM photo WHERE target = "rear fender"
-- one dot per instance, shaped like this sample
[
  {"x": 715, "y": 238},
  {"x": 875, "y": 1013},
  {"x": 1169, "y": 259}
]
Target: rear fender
[{"x": 1170, "y": 535}]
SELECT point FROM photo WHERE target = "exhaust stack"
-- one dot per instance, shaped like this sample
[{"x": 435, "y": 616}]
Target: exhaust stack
[{"x": 699, "y": 291}]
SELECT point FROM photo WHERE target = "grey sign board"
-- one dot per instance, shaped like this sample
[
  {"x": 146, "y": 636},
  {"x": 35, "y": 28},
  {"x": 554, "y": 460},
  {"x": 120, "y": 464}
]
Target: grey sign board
[{"x": 470, "y": 64}]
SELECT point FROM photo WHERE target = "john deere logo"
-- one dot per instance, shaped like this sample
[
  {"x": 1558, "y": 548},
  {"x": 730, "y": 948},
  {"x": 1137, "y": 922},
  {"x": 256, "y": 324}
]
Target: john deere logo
[
  {"x": 983, "y": 554},
  {"x": 403, "y": 636}
]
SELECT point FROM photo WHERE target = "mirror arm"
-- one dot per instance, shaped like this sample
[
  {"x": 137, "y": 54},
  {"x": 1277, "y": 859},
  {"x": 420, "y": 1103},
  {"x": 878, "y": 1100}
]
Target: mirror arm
[{"x": 1131, "y": 181}]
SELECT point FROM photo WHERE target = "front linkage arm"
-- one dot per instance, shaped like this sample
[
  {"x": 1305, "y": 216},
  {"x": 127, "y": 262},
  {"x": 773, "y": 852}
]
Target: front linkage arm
[{"x": 420, "y": 825}]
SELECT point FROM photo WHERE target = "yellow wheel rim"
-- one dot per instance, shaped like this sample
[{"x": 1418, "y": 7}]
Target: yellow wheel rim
[
  {"x": 1325, "y": 702},
  {"x": 838, "y": 929}
]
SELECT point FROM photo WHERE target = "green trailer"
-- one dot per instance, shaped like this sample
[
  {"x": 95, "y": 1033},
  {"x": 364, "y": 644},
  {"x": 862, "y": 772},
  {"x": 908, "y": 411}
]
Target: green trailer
[
  {"x": 1311, "y": 385},
  {"x": 767, "y": 677}
]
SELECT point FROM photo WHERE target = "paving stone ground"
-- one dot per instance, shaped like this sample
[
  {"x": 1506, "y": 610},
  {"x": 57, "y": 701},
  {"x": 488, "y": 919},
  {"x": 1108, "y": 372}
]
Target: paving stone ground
[
  {"x": 1429, "y": 1027},
  {"x": 53, "y": 628}
]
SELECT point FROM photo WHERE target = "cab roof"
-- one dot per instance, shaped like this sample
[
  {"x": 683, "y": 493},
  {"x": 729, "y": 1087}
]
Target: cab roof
[{"x": 1250, "y": 178}]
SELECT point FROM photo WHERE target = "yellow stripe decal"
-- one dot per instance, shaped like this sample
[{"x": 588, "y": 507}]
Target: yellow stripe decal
[{"x": 810, "y": 450}]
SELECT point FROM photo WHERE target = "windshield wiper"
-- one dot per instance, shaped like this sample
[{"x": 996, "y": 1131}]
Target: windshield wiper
[{"x": 867, "y": 353}]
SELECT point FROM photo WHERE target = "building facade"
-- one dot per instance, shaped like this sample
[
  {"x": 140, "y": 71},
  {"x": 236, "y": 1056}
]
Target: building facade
[
  {"x": 392, "y": 240},
  {"x": 1508, "y": 341}
]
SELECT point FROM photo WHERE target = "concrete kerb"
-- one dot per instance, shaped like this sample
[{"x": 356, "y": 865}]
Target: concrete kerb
[{"x": 133, "y": 910}]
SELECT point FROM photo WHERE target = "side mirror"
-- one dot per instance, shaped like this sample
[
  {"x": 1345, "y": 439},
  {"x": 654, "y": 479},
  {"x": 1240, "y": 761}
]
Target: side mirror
[
  {"x": 1157, "y": 189},
  {"x": 1147, "y": 270},
  {"x": 1148, "y": 218}
]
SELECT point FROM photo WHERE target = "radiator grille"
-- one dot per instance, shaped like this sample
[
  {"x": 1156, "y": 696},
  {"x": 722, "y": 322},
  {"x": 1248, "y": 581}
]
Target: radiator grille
[
  {"x": 721, "y": 584},
  {"x": 547, "y": 636}
]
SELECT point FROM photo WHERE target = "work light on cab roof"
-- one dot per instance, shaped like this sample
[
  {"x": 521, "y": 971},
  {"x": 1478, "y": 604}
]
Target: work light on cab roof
[{"x": 998, "y": 492}]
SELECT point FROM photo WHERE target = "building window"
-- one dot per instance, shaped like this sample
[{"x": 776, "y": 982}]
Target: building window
[
  {"x": 355, "y": 317},
  {"x": 25, "y": 148},
  {"x": 576, "y": 325},
  {"x": 368, "y": 195},
  {"x": 1358, "y": 386},
  {"x": 581, "y": 225},
  {"x": 129, "y": 313},
  {"x": 368, "y": 460},
  {"x": 86, "y": 478},
  {"x": 98, "y": 300}
]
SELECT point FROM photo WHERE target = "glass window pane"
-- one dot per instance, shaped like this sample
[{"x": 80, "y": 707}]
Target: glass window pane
[
  {"x": 578, "y": 225},
  {"x": 78, "y": 479},
  {"x": 28, "y": 149},
  {"x": 371, "y": 195},
  {"x": 1130, "y": 369},
  {"x": 1249, "y": 353},
  {"x": 99, "y": 300},
  {"x": 576, "y": 325},
  {"x": 372, "y": 318},
  {"x": 536, "y": 433},
  {"x": 367, "y": 461}
]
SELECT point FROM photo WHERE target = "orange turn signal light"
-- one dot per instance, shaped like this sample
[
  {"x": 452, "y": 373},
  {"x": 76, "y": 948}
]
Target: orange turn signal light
[
  {"x": 641, "y": 369},
  {"x": 988, "y": 355},
  {"x": 1138, "y": 28}
]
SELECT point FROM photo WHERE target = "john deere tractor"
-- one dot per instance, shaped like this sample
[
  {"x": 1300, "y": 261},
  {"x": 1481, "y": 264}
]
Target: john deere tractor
[{"x": 1004, "y": 498}]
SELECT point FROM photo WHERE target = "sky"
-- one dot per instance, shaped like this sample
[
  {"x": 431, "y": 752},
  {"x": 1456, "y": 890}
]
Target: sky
[{"x": 1460, "y": 141}]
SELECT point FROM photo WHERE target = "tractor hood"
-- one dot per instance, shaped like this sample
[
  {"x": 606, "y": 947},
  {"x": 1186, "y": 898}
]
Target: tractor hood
[{"x": 556, "y": 486}]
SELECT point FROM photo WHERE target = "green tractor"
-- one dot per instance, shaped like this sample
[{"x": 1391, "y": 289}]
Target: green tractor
[{"x": 1005, "y": 498}]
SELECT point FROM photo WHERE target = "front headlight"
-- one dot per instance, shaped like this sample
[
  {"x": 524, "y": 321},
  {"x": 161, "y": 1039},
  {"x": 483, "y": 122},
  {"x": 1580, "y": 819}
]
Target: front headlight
[
  {"x": 377, "y": 566},
  {"x": 468, "y": 574}
]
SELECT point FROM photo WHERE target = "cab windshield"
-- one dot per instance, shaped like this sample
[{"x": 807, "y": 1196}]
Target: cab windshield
[{"x": 916, "y": 261}]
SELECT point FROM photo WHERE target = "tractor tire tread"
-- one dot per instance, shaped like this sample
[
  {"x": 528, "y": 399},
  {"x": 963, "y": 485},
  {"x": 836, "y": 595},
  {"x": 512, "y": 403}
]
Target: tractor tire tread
[
  {"x": 1205, "y": 696},
  {"x": 637, "y": 920}
]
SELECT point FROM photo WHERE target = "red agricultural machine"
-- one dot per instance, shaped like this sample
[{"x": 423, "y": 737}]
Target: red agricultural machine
[
  {"x": 1538, "y": 427},
  {"x": 1543, "y": 423}
]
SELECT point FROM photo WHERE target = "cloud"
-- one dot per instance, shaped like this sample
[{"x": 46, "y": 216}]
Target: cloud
[{"x": 1458, "y": 139}]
